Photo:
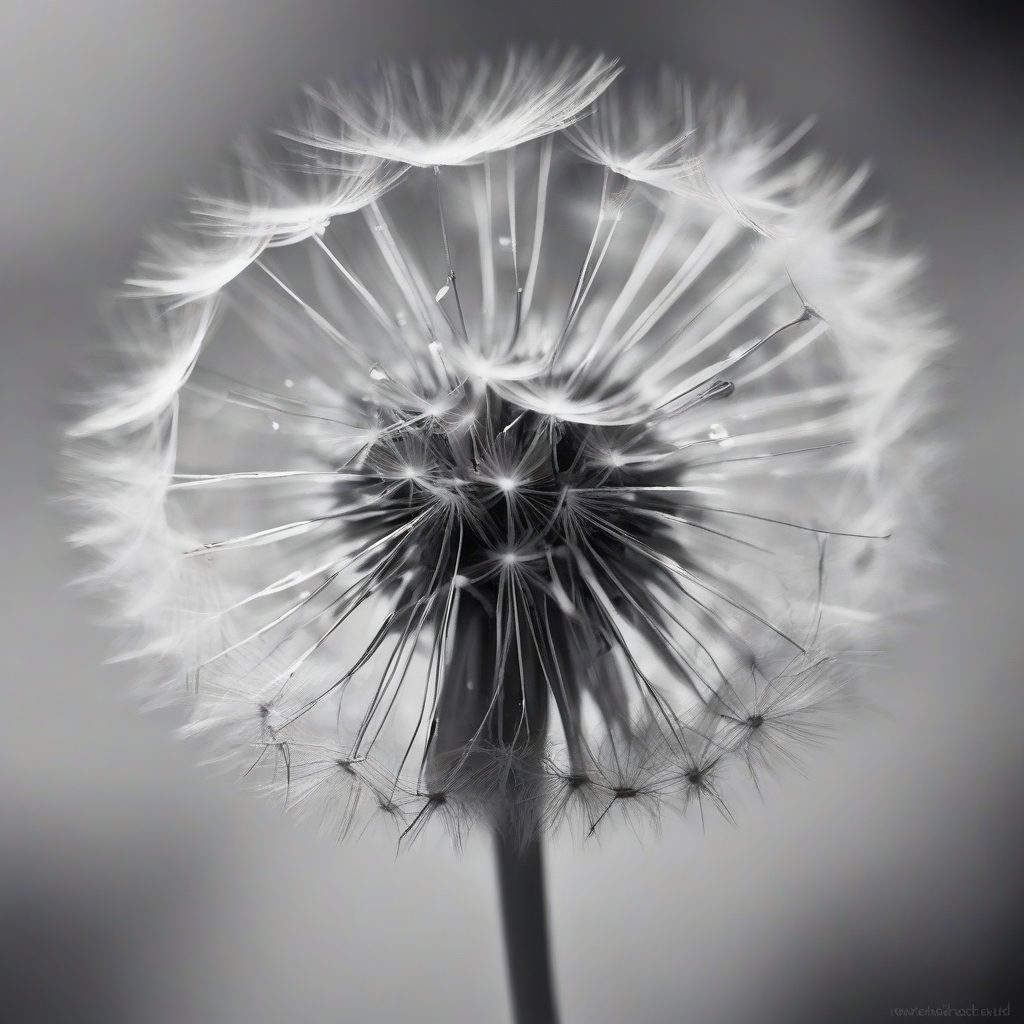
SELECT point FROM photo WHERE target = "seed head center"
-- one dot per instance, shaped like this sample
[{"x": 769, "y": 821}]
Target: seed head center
[{"x": 461, "y": 499}]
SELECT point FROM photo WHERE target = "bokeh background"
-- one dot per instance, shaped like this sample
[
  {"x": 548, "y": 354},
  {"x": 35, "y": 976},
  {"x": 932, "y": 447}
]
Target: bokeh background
[{"x": 138, "y": 888}]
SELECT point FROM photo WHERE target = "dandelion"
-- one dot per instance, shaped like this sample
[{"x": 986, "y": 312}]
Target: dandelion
[{"x": 504, "y": 445}]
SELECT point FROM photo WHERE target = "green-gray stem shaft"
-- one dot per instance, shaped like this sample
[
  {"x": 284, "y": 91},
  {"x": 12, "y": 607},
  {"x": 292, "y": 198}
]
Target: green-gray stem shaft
[{"x": 524, "y": 915}]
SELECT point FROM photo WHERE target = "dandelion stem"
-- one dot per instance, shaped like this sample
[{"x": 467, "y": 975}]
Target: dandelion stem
[{"x": 524, "y": 916}]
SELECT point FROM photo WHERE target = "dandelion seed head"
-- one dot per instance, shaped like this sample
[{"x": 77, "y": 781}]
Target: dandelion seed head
[{"x": 610, "y": 405}]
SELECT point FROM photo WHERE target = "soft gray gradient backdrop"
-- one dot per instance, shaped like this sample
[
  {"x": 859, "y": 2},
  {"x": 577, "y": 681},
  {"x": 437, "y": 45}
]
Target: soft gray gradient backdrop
[{"x": 136, "y": 888}]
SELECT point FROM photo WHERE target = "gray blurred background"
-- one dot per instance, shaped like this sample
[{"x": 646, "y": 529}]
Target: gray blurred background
[{"x": 137, "y": 888}]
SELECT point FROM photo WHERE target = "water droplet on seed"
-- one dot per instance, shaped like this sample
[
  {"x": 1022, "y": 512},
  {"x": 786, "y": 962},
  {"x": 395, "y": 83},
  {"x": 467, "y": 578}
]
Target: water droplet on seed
[{"x": 718, "y": 433}]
